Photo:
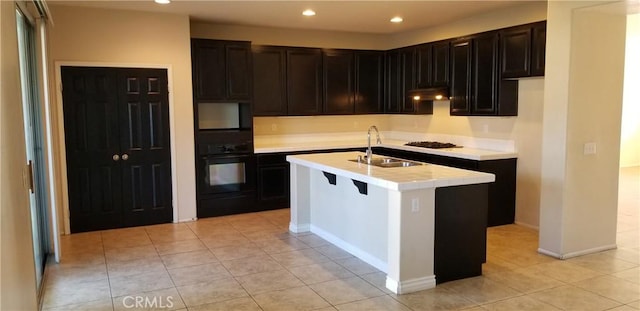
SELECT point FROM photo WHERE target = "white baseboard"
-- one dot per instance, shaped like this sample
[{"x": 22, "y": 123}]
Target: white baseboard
[
  {"x": 298, "y": 228},
  {"x": 364, "y": 256},
  {"x": 412, "y": 285},
  {"x": 187, "y": 220},
  {"x": 578, "y": 253}
]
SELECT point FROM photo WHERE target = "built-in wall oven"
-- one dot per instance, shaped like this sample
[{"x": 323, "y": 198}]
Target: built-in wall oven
[
  {"x": 226, "y": 173},
  {"x": 227, "y": 168}
]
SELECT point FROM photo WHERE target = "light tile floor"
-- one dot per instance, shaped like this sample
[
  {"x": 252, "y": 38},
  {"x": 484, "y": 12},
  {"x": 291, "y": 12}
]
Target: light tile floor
[{"x": 251, "y": 262}]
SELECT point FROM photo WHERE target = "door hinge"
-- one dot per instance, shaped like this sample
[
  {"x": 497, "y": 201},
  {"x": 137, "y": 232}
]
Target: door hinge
[{"x": 30, "y": 172}]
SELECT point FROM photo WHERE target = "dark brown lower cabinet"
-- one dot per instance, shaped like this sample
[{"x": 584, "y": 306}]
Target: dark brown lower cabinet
[{"x": 273, "y": 180}]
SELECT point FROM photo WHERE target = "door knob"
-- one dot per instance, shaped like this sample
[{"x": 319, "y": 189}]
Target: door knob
[
  {"x": 115, "y": 157},
  {"x": 125, "y": 157}
]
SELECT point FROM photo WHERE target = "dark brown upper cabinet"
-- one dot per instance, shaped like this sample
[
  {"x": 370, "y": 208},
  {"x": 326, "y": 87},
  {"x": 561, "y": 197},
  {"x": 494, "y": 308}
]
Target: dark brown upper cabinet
[
  {"x": 432, "y": 64},
  {"x": 401, "y": 76},
  {"x": 460, "y": 77},
  {"x": 338, "y": 77},
  {"x": 287, "y": 81},
  {"x": 221, "y": 70},
  {"x": 538, "y": 48},
  {"x": 369, "y": 93},
  {"x": 476, "y": 88},
  {"x": 304, "y": 81},
  {"x": 353, "y": 81},
  {"x": 269, "y": 81},
  {"x": 523, "y": 49}
]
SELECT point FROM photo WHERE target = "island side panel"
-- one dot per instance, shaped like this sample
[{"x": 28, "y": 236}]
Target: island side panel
[
  {"x": 460, "y": 231},
  {"x": 350, "y": 220},
  {"x": 300, "y": 198},
  {"x": 411, "y": 217}
]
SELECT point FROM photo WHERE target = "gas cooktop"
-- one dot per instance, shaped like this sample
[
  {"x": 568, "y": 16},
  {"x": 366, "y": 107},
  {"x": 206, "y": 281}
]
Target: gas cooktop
[{"x": 431, "y": 144}]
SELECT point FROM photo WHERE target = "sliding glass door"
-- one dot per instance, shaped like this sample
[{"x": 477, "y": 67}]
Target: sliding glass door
[{"x": 34, "y": 141}]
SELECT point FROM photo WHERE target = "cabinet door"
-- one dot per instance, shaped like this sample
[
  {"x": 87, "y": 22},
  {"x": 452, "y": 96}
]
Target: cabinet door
[
  {"x": 304, "y": 81},
  {"x": 538, "y": 49},
  {"x": 338, "y": 72},
  {"x": 424, "y": 65},
  {"x": 515, "y": 47},
  {"x": 408, "y": 62},
  {"x": 484, "y": 100},
  {"x": 369, "y": 82},
  {"x": 269, "y": 82},
  {"x": 440, "y": 64},
  {"x": 461, "y": 77},
  {"x": 273, "y": 183},
  {"x": 392, "y": 88},
  {"x": 208, "y": 69},
  {"x": 238, "y": 61}
]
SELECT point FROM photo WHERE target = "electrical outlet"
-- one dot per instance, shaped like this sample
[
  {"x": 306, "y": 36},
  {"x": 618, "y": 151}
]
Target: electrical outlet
[
  {"x": 415, "y": 205},
  {"x": 590, "y": 148}
]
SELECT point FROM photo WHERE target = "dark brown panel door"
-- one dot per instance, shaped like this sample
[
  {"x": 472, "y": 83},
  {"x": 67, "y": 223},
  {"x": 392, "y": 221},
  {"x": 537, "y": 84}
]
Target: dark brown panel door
[
  {"x": 516, "y": 48},
  {"x": 440, "y": 65},
  {"x": 369, "y": 96},
  {"x": 111, "y": 115},
  {"x": 485, "y": 74},
  {"x": 238, "y": 62},
  {"x": 269, "y": 81},
  {"x": 92, "y": 140},
  {"x": 408, "y": 62},
  {"x": 144, "y": 145},
  {"x": 461, "y": 77},
  {"x": 338, "y": 82},
  {"x": 424, "y": 57},
  {"x": 209, "y": 70},
  {"x": 539, "y": 43},
  {"x": 393, "y": 96},
  {"x": 304, "y": 81}
]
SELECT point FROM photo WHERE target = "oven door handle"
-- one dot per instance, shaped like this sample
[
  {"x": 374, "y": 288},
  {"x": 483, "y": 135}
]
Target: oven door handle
[{"x": 225, "y": 156}]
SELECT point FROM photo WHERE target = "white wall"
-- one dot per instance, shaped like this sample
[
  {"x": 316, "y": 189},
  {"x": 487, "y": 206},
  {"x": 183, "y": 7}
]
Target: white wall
[
  {"x": 18, "y": 281},
  {"x": 525, "y": 130},
  {"x": 289, "y": 37},
  {"x": 583, "y": 101},
  {"x": 523, "y": 13},
  {"x": 630, "y": 134},
  {"x": 128, "y": 38}
]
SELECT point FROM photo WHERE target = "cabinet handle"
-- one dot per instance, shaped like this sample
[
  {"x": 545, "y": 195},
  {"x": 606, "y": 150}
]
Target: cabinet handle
[
  {"x": 125, "y": 157},
  {"x": 115, "y": 157}
]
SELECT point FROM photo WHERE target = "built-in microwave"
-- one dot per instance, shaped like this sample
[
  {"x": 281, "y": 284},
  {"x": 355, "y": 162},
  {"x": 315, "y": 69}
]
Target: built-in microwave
[{"x": 224, "y": 116}]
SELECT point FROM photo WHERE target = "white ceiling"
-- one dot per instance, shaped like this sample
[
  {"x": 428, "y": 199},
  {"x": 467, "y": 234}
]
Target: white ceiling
[{"x": 354, "y": 16}]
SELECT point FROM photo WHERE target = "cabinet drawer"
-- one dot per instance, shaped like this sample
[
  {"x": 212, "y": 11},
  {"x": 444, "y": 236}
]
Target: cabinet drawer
[{"x": 272, "y": 159}]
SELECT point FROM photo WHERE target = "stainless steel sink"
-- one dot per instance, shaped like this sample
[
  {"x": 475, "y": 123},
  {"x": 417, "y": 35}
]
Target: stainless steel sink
[{"x": 387, "y": 162}]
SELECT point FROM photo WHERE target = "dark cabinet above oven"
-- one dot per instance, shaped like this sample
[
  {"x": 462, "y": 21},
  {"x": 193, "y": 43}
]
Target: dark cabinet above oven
[{"x": 221, "y": 70}]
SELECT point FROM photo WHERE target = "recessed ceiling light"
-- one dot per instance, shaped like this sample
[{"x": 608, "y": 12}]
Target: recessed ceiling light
[
  {"x": 162, "y": 1},
  {"x": 396, "y": 19},
  {"x": 308, "y": 12}
]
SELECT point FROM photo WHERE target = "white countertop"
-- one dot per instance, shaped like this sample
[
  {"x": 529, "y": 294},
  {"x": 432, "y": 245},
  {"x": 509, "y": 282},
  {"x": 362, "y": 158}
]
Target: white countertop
[
  {"x": 393, "y": 178},
  {"x": 337, "y": 142}
]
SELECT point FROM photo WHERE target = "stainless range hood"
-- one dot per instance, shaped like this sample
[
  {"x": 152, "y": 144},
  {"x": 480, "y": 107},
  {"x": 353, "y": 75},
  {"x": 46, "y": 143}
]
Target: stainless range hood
[{"x": 429, "y": 94}]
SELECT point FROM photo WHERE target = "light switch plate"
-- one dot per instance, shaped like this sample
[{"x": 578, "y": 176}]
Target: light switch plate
[{"x": 590, "y": 148}]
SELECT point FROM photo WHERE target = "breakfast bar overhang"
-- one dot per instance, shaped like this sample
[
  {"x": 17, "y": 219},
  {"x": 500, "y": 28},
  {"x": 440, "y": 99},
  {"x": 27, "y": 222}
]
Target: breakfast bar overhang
[{"x": 420, "y": 223}]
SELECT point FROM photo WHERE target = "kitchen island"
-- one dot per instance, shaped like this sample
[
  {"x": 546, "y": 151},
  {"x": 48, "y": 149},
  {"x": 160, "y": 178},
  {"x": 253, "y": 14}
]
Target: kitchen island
[{"x": 421, "y": 224}]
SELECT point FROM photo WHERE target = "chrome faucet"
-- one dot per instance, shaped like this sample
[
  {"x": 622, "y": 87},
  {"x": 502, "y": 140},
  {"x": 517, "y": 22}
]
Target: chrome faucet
[{"x": 369, "y": 153}]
